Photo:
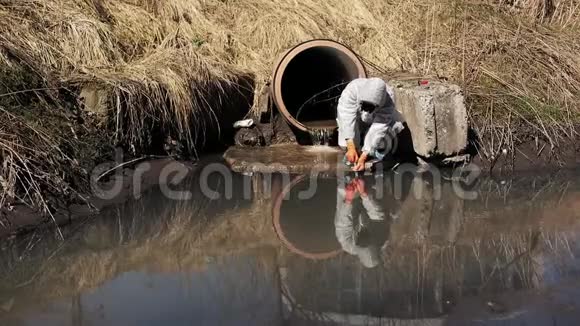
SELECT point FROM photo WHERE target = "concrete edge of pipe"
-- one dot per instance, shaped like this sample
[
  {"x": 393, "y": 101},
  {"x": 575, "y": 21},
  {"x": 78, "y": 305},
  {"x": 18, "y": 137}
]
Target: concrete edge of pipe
[{"x": 276, "y": 86}]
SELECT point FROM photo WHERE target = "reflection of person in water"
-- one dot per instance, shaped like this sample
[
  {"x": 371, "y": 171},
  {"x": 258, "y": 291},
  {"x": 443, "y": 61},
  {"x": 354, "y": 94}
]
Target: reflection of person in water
[{"x": 360, "y": 222}]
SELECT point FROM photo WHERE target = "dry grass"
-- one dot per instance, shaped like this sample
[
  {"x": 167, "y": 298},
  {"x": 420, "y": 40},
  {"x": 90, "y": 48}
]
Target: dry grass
[
  {"x": 33, "y": 166},
  {"x": 148, "y": 62},
  {"x": 170, "y": 51},
  {"x": 172, "y": 65}
]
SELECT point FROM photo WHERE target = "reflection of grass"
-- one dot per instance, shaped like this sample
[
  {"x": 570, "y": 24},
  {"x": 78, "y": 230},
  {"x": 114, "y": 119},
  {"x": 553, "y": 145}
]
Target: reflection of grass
[
  {"x": 509, "y": 261},
  {"x": 166, "y": 236},
  {"x": 421, "y": 280},
  {"x": 148, "y": 234}
]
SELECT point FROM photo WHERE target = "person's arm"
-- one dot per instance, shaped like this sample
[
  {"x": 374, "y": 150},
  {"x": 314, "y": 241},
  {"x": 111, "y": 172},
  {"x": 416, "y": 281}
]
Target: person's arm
[
  {"x": 373, "y": 208},
  {"x": 378, "y": 130},
  {"x": 347, "y": 112},
  {"x": 376, "y": 133},
  {"x": 351, "y": 151},
  {"x": 344, "y": 221}
]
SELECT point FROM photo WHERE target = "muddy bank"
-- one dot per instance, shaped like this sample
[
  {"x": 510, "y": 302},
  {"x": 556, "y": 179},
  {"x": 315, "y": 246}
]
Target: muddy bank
[{"x": 119, "y": 186}]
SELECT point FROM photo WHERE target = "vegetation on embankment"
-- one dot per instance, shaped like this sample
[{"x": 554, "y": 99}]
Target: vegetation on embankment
[{"x": 171, "y": 66}]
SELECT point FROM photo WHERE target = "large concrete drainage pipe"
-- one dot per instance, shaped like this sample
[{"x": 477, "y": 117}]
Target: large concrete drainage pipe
[{"x": 308, "y": 80}]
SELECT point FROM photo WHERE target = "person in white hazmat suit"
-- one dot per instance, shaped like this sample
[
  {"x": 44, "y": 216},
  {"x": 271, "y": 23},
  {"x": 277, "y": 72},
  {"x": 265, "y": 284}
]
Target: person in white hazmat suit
[
  {"x": 359, "y": 222},
  {"x": 366, "y": 111}
]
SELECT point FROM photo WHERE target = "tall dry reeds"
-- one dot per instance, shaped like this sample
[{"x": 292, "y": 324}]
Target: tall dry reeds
[
  {"x": 165, "y": 58},
  {"x": 33, "y": 164}
]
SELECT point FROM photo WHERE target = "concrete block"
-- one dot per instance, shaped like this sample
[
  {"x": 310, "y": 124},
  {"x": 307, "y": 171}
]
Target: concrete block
[{"x": 436, "y": 116}]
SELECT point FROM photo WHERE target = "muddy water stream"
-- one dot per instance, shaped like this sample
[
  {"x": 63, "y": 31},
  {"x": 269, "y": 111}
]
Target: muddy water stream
[{"x": 270, "y": 250}]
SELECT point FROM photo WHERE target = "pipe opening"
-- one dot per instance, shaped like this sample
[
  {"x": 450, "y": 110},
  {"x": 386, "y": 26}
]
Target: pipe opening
[{"x": 312, "y": 83}]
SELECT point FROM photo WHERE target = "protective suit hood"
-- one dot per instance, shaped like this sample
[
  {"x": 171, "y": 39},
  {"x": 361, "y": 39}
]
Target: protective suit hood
[{"x": 374, "y": 91}]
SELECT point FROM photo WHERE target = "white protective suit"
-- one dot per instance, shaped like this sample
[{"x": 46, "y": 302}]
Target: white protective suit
[
  {"x": 348, "y": 220},
  {"x": 352, "y": 120}
]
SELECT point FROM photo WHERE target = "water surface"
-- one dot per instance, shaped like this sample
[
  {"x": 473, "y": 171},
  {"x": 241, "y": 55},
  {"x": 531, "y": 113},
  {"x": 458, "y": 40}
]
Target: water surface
[{"x": 385, "y": 250}]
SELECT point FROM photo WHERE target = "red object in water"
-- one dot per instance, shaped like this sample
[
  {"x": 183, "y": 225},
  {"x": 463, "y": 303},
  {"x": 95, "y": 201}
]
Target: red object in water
[{"x": 423, "y": 82}]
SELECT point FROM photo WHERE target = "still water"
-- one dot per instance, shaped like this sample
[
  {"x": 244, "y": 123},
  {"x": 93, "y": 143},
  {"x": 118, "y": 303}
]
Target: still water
[{"x": 270, "y": 250}]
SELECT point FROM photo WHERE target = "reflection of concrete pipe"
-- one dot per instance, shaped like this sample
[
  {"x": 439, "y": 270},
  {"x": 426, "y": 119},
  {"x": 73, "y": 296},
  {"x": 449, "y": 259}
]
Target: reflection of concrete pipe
[
  {"x": 300, "y": 233},
  {"x": 318, "y": 71}
]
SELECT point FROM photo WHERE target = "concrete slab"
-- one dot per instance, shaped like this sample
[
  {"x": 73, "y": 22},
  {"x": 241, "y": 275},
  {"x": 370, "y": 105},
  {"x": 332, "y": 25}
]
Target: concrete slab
[
  {"x": 287, "y": 158},
  {"x": 436, "y": 116}
]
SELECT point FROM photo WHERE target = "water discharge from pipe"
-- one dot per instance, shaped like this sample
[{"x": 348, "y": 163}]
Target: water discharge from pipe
[{"x": 321, "y": 136}]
